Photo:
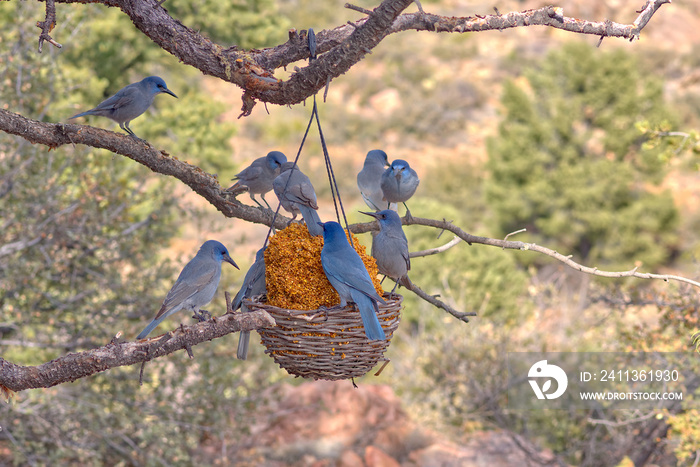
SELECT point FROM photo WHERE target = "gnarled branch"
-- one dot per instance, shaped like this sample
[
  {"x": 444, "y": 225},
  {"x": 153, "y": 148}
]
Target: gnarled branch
[
  {"x": 74, "y": 366},
  {"x": 338, "y": 49}
]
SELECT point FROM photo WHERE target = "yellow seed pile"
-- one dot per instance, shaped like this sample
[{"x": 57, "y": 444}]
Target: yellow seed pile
[{"x": 293, "y": 273}]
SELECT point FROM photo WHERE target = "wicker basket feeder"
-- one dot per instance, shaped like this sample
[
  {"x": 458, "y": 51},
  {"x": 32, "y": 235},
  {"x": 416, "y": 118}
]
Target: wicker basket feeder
[{"x": 327, "y": 344}]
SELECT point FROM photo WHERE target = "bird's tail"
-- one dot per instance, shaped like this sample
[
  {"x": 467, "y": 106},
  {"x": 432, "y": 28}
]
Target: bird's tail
[
  {"x": 238, "y": 299},
  {"x": 243, "y": 342},
  {"x": 405, "y": 282},
  {"x": 368, "y": 313},
  {"x": 82, "y": 114},
  {"x": 311, "y": 219},
  {"x": 150, "y": 328}
]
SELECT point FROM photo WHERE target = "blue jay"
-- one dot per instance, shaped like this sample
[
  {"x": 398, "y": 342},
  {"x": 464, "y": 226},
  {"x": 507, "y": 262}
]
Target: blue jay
[
  {"x": 369, "y": 179},
  {"x": 129, "y": 102},
  {"x": 259, "y": 175},
  {"x": 349, "y": 277},
  {"x": 399, "y": 182},
  {"x": 196, "y": 284},
  {"x": 296, "y": 194},
  {"x": 253, "y": 284},
  {"x": 390, "y": 247}
]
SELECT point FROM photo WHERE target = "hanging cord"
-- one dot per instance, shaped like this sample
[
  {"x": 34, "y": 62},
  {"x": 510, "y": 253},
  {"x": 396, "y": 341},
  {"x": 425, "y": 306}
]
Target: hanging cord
[
  {"x": 296, "y": 167},
  {"x": 331, "y": 174},
  {"x": 329, "y": 168}
]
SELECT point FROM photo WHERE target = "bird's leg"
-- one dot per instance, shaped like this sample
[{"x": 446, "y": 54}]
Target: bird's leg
[
  {"x": 125, "y": 126},
  {"x": 256, "y": 201},
  {"x": 396, "y": 284},
  {"x": 262, "y": 196},
  {"x": 292, "y": 220}
]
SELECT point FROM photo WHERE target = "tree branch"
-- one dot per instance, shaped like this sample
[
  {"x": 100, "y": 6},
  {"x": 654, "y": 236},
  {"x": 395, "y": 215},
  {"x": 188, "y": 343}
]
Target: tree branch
[
  {"x": 206, "y": 185},
  {"x": 550, "y": 16},
  {"x": 338, "y": 49},
  {"x": 435, "y": 251},
  {"x": 47, "y": 26},
  {"x": 511, "y": 245},
  {"x": 74, "y": 366}
]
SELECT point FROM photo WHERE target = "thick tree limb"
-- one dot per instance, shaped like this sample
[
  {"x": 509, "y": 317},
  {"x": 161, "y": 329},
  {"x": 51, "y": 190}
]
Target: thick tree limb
[
  {"x": 206, "y": 185},
  {"x": 74, "y": 366},
  {"x": 338, "y": 49}
]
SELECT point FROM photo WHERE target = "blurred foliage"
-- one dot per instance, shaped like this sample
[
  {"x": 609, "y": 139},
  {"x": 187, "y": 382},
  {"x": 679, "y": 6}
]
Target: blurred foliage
[
  {"x": 482, "y": 279},
  {"x": 119, "y": 54},
  {"x": 82, "y": 248},
  {"x": 245, "y": 23},
  {"x": 684, "y": 427},
  {"x": 458, "y": 371},
  {"x": 570, "y": 165},
  {"x": 575, "y": 161},
  {"x": 75, "y": 220}
]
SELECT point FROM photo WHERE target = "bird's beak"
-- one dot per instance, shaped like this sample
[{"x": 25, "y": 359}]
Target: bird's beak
[
  {"x": 228, "y": 259},
  {"x": 168, "y": 91},
  {"x": 370, "y": 214}
]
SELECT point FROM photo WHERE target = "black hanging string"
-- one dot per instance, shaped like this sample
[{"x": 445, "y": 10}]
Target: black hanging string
[
  {"x": 296, "y": 166},
  {"x": 331, "y": 174},
  {"x": 335, "y": 193}
]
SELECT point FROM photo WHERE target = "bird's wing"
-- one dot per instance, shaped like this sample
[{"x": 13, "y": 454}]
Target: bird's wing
[
  {"x": 353, "y": 275},
  {"x": 249, "y": 173},
  {"x": 253, "y": 283},
  {"x": 193, "y": 278},
  {"x": 300, "y": 190},
  {"x": 308, "y": 195},
  {"x": 122, "y": 98},
  {"x": 399, "y": 238}
]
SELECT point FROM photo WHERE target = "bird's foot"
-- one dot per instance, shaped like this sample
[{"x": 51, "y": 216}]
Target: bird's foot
[
  {"x": 202, "y": 315},
  {"x": 140, "y": 140},
  {"x": 324, "y": 309}
]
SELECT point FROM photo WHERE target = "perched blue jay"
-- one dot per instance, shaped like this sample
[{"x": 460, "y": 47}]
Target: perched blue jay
[
  {"x": 259, "y": 175},
  {"x": 196, "y": 284},
  {"x": 129, "y": 102},
  {"x": 369, "y": 179},
  {"x": 296, "y": 194},
  {"x": 390, "y": 247},
  {"x": 253, "y": 284},
  {"x": 347, "y": 274},
  {"x": 399, "y": 182}
]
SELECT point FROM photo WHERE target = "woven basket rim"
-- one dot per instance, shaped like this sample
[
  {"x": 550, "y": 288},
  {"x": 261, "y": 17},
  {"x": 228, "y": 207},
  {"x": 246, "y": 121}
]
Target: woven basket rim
[
  {"x": 391, "y": 299},
  {"x": 327, "y": 343}
]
